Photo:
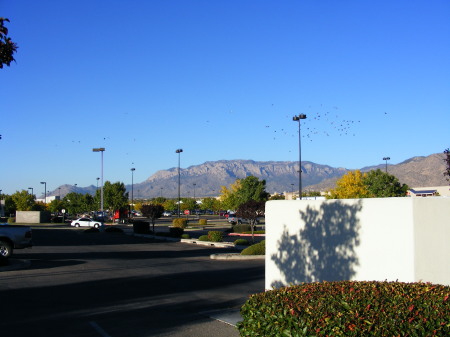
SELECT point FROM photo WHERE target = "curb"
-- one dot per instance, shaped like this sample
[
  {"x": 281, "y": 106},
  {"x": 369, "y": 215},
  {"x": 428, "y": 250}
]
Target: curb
[{"x": 236, "y": 256}]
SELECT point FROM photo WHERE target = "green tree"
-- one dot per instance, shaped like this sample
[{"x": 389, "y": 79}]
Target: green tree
[
  {"x": 210, "y": 204},
  {"x": 10, "y": 205},
  {"x": 115, "y": 196},
  {"x": 277, "y": 197},
  {"x": 77, "y": 203},
  {"x": 170, "y": 204},
  {"x": 447, "y": 164},
  {"x": 23, "y": 200},
  {"x": 349, "y": 186},
  {"x": 56, "y": 205},
  {"x": 243, "y": 190},
  {"x": 188, "y": 203},
  {"x": 251, "y": 210},
  {"x": 7, "y": 47},
  {"x": 152, "y": 211},
  {"x": 380, "y": 184}
]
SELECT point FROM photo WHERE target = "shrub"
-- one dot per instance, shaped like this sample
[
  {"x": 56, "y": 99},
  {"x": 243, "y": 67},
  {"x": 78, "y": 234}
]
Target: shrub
[
  {"x": 185, "y": 236},
  {"x": 255, "y": 232},
  {"x": 215, "y": 236},
  {"x": 242, "y": 228},
  {"x": 241, "y": 242},
  {"x": 141, "y": 227},
  {"x": 11, "y": 220},
  {"x": 113, "y": 230},
  {"x": 203, "y": 238},
  {"x": 176, "y": 232},
  {"x": 256, "y": 249},
  {"x": 349, "y": 308},
  {"x": 179, "y": 222},
  {"x": 203, "y": 222}
]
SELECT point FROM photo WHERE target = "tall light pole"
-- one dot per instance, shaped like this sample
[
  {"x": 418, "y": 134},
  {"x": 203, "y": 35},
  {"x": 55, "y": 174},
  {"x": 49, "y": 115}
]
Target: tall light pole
[
  {"x": 160, "y": 194},
  {"x": 31, "y": 188},
  {"x": 194, "y": 189},
  {"x": 298, "y": 119},
  {"x": 45, "y": 191},
  {"x": 132, "y": 183},
  {"x": 59, "y": 192},
  {"x": 100, "y": 149},
  {"x": 179, "y": 179},
  {"x": 386, "y": 158}
]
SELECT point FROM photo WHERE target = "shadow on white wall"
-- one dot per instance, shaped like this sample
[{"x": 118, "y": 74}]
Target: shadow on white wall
[{"x": 324, "y": 247}]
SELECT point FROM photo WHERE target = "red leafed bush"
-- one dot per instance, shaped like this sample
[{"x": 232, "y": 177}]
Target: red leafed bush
[{"x": 349, "y": 308}]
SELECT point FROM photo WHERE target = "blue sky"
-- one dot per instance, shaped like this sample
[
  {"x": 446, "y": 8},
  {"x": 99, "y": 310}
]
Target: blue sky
[{"x": 220, "y": 79}]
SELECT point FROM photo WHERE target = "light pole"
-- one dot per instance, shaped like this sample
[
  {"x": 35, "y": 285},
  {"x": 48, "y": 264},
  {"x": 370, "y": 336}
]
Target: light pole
[
  {"x": 386, "y": 158},
  {"x": 160, "y": 194},
  {"x": 45, "y": 191},
  {"x": 298, "y": 119},
  {"x": 59, "y": 192},
  {"x": 132, "y": 196},
  {"x": 31, "y": 188},
  {"x": 194, "y": 189},
  {"x": 100, "y": 149},
  {"x": 179, "y": 179},
  {"x": 75, "y": 188}
]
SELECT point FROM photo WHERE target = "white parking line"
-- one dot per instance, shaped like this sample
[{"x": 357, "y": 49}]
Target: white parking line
[{"x": 99, "y": 329}]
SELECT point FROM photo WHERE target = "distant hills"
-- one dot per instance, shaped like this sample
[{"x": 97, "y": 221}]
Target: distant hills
[{"x": 281, "y": 176}]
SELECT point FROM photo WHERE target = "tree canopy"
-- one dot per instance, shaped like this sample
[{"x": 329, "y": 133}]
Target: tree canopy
[
  {"x": 7, "y": 46},
  {"x": 380, "y": 184},
  {"x": 447, "y": 164},
  {"x": 243, "y": 190},
  {"x": 115, "y": 196},
  {"x": 23, "y": 200},
  {"x": 350, "y": 186},
  {"x": 373, "y": 184}
]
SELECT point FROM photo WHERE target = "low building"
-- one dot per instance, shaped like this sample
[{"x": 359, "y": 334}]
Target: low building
[{"x": 443, "y": 191}]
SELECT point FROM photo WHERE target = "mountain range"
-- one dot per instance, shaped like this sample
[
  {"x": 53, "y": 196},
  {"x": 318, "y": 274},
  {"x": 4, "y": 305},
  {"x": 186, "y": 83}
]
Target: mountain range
[{"x": 281, "y": 176}]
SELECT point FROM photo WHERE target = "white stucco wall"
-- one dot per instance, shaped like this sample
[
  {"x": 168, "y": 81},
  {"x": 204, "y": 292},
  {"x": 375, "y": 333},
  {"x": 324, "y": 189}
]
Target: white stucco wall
[{"x": 391, "y": 239}]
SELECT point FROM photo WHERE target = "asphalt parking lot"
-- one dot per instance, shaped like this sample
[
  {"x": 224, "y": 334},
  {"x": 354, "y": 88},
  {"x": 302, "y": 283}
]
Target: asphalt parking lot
[{"x": 107, "y": 284}]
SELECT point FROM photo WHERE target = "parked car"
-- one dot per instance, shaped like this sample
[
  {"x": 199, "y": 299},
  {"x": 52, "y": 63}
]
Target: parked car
[
  {"x": 233, "y": 219},
  {"x": 86, "y": 222},
  {"x": 14, "y": 237},
  {"x": 167, "y": 213}
]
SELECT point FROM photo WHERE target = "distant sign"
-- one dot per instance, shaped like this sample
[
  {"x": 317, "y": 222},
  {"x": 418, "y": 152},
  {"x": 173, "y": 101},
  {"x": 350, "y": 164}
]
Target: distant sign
[
  {"x": 63, "y": 211},
  {"x": 186, "y": 212}
]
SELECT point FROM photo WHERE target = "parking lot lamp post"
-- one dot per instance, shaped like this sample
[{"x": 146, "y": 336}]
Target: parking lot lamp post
[
  {"x": 31, "y": 188},
  {"x": 101, "y": 149},
  {"x": 386, "y": 158},
  {"x": 298, "y": 119},
  {"x": 194, "y": 190},
  {"x": 179, "y": 180},
  {"x": 59, "y": 192},
  {"x": 45, "y": 191},
  {"x": 132, "y": 183}
]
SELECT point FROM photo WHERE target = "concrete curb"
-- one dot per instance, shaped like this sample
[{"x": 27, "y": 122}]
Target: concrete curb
[
  {"x": 236, "y": 256},
  {"x": 226, "y": 256}
]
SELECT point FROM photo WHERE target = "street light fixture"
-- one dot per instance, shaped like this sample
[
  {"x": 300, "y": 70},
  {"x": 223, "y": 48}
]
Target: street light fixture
[
  {"x": 194, "y": 189},
  {"x": 179, "y": 179},
  {"x": 31, "y": 188},
  {"x": 298, "y": 119},
  {"x": 100, "y": 149},
  {"x": 386, "y": 158},
  {"x": 45, "y": 191},
  {"x": 132, "y": 196}
]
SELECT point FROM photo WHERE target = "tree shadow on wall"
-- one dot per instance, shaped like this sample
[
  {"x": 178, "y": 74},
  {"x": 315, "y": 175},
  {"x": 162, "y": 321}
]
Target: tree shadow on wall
[{"x": 324, "y": 250}]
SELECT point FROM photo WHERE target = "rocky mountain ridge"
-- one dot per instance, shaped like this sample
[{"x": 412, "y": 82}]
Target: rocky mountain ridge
[{"x": 281, "y": 176}]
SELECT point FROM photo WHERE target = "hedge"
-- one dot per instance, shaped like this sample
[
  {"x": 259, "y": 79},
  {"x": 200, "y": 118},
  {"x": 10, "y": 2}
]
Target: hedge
[
  {"x": 349, "y": 308},
  {"x": 256, "y": 249}
]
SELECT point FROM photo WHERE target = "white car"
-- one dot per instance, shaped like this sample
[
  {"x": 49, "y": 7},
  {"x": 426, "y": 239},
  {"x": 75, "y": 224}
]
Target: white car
[{"x": 86, "y": 222}]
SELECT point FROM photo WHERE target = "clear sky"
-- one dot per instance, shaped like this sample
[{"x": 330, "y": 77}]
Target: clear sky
[{"x": 220, "y": 79}]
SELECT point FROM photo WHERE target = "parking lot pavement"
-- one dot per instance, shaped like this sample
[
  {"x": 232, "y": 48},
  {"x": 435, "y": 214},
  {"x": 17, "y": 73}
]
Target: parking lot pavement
[{"x": 101, "y": 284}]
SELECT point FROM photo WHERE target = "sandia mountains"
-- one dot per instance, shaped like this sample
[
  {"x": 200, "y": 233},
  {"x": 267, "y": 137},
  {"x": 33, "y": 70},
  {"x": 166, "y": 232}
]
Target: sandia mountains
[{"x": 281, "y": 176}]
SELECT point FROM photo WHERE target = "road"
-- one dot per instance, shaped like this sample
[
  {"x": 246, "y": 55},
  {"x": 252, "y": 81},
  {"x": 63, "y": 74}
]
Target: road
[{"x": 114, "y": 285}]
